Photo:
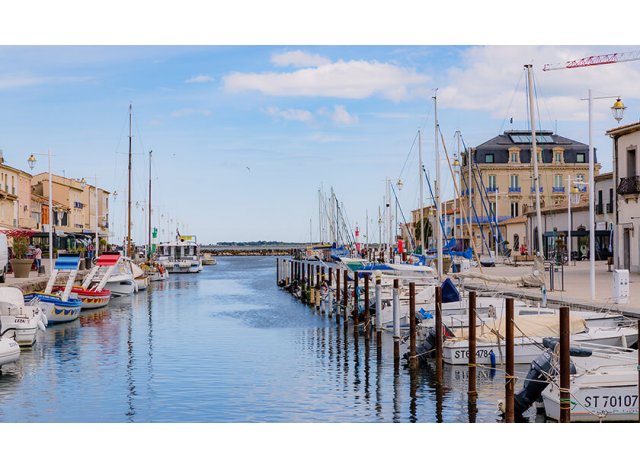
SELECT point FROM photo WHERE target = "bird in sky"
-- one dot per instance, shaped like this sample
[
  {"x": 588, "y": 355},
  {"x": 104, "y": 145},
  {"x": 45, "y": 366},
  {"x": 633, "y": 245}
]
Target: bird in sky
[{"x": 248, "y": 169}]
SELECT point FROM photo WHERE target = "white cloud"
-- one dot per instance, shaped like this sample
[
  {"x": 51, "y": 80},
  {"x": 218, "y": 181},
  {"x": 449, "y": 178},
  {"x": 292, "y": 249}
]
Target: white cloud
[
  {"x": 289, "y": 114},
  {"x": 487, "y": 77},
  {"x": 200, "y": 79},
  {"x": 190, "y": 112},
  {"x": 339, "y": 115},
  {"x": 298, "y": 59},
  {"x": 356, "y": 79}
]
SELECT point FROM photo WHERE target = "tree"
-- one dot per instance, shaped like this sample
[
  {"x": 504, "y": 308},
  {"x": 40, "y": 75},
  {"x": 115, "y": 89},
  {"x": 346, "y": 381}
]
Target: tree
[{"x": 418, "y": 231}]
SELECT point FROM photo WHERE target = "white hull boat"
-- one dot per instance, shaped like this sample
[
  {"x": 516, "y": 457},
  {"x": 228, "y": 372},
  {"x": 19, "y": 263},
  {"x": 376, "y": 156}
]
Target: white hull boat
[
  {"x": 121, "y": 285},
  {"x": 9, "y": 350},
  {"x": 25, "y": 319}
]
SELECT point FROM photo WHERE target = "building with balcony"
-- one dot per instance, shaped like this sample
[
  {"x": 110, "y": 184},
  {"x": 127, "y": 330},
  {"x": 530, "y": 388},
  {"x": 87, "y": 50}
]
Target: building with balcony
[
  {"x": 626, "y": 168},
  {"x": 15, "y": 201},
  {"x": 505, "y": 166}
]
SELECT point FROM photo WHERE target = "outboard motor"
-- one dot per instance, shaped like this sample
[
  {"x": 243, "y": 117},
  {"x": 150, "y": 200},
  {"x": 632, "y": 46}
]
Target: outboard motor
[
  {"x": 426, "y": 347},
  {"x": 541, "y": 368}
]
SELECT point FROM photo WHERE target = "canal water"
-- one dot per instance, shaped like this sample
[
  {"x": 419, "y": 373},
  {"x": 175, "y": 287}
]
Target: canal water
[{"x": 226, "y": 345}]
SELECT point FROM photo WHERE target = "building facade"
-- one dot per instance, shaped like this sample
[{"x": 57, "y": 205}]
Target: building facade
[
  {"x": 626, "y": 169},
  {"x": 501, "y": 186}
]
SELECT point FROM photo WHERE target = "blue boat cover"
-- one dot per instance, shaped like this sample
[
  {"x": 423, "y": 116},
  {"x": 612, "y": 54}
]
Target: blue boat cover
[
  {"x": 449, "y": 292},
  {"x": 67, "y": 262}
]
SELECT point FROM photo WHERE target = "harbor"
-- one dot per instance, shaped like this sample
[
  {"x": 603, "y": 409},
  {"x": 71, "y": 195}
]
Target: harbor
[{"x": 319, "y": 255}]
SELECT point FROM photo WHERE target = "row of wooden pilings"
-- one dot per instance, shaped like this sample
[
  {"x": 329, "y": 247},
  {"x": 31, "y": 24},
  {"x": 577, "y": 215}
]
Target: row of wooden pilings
[{"x": 312, "y": 277}]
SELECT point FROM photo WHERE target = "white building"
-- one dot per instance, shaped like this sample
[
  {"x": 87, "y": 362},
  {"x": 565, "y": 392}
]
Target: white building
[{"x": 626, "y": 170}]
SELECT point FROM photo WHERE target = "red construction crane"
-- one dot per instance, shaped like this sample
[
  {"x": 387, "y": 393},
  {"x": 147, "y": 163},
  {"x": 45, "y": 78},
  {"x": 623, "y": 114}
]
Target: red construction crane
[{"x": 595, "y": 60}]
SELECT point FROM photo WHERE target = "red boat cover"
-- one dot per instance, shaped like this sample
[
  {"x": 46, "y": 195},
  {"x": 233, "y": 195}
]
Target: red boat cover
[{"x": 107, "y": 259}]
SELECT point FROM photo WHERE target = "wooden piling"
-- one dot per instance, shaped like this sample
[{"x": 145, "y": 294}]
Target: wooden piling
[
  {"x": 303, "y": 283},
  {"x": 330, "y": 281},
  {"x": 318, "y": 289},
  {"x": 412, "y": 325},
  {"x": 439, "y": 335},
  {"x": 378, "y": 314},
  {"x": 345, "y": 296},
  {"x": 565, "y": 363},
  {"x": 337, "y": 296},
  {"x": 366, "y": 306},
  {"x": 396, "y": 320},
  {"x": 510, "y": 380},
  {"x": 278, "y": 271},
  {"x": 356, "y": 306},
  {"x": 472, "y": 393}
]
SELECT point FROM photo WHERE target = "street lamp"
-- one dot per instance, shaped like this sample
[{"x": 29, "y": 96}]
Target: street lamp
[
  {"x": 31, "y": 160},
  {"x": 83, "y": 184},
  {"x": 618, "y": 111},
  {"x": 574, "y": 198}
]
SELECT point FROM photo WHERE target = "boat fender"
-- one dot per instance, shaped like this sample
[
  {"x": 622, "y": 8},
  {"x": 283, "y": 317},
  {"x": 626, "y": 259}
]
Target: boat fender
[
  {"x": 41, "y": 325},
  {"x": 492, "y": 356},
  {"x": 43, "y": 317}
]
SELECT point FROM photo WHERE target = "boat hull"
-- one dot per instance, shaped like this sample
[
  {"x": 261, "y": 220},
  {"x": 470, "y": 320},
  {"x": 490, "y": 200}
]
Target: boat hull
[
  {"x": 26, "y": 328},
  {"x": 9, "y": 351},
  {"x": 91, "y": 299},
  {"x": 55, "y": 309},
  {"x": 121, "y": 288}
]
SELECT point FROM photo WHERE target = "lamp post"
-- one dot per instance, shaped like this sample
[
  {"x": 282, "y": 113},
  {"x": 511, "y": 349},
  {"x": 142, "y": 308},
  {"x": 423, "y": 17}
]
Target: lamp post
[
  {"x": 574, "y": 198},
  {"x": 32, "y": 163},
  {"x": 618, "y": 111},
  {"x": 83, "y": 183}
]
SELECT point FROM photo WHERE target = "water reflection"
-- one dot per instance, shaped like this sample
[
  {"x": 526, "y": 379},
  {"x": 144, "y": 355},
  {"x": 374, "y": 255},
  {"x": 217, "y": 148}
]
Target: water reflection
[{"x": 227, "y": 345}]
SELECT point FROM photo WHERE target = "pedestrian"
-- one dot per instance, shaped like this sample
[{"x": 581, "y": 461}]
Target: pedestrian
[
  {"x": 37, "y": 254},
  {"x": 90, "y": 251}
]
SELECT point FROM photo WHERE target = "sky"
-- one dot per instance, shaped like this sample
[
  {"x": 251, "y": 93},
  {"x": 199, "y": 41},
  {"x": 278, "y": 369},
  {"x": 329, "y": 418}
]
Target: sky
[{"x": 243, "y": 136}]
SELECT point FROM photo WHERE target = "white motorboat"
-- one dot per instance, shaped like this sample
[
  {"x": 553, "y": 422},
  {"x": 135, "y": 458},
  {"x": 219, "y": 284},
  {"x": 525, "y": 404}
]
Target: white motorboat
[
  {"x": 528, "y": 339},
  {"x": 9, "y": 348},
  {"x": 180, "y": 256},
  {"x": 603, "y": 383},
  {"x": 25, "y": 319},
  {"x": 208, "y": 259},
  {"x": 121, "y": 281}
]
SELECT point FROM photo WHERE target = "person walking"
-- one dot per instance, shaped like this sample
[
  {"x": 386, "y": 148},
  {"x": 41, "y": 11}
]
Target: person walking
[{"x": 37, "y": 254}]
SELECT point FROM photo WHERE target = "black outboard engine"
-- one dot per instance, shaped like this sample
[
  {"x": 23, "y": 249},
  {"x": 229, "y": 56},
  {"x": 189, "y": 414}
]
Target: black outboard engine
[
  {"x": 541, "y": 368},
  {"x": 427, "y": 347}
]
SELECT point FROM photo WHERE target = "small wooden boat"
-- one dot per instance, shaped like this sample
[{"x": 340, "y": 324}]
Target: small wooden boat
[
  {"x": 90, "y": 298},
  {"x": 59, "y": 307}
]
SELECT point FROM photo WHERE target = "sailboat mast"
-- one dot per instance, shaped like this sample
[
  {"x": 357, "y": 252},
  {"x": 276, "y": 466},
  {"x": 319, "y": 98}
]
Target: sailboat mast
[
  {"x": 437, "y": 184},
  {"x": 149, "y": 245},
  {"x": 129, "y": 195},
  {"x": 420, "y": 177},
  {"x": 534, "y": 157}
]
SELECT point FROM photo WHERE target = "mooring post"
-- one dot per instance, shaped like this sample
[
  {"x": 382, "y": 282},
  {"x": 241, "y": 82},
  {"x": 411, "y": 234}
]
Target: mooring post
[
  {"x": 337, "y": 296},
  {"x": 412, "y": 325},
  {"x": 367, "y": 331},
  {"x": 438, "y": 334},
  {"x": 396, "y": 320},
  {"x": 356, "y": 306},
  {"x": 287, "y": 272},
  {"x": 303, "y": 283},
  {"x": 330, "y": 276},
  {"x": 472, "y": 393},
  {"x": 510, "y": 380},
  {"x": 278, "y": 271},
  {"x": 378, "y": 313},
  {"x": 345, "y": 296},
  {"x": 318, "y": 289},
  {"x": 321, "y": 302},
  {"x": 565, "y": 363}
]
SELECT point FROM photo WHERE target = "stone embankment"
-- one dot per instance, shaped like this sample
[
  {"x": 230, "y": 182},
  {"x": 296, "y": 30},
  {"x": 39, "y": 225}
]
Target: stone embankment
[
  {"x": 35, "y": 283},
  {"x": 251, "y": 252}
]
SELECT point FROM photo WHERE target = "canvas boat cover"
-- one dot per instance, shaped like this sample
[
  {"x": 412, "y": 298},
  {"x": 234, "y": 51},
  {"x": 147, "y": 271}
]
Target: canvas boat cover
[
  {"x": 533, "y": 327},
  {"x": 534, "y": 279}
]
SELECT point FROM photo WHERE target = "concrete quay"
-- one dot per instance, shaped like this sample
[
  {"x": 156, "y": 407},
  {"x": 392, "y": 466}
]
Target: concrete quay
[
  {"x": 576, "y": 293},
  {"x": 35, "y": 281}
]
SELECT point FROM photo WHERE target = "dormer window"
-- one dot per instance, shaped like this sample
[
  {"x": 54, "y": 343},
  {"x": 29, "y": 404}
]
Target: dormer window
[
  {"x": 580, "y": 157},
  {"x": 488, "y": 158}
]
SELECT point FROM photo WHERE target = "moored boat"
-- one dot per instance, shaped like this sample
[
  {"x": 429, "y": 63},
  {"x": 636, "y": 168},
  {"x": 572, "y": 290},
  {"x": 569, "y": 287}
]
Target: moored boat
[
  {"x": 9, "y": 349},
  {"x": 59, "y": 307},
  {"x": 24, "y": 319},
  {"x": 180, "y": 256}
]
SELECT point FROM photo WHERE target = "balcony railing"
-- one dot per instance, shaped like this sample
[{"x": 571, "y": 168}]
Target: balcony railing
[
  {"x": 78, "y": 205},
  {"x": 629, "y": 185},
  {"x": 557, "y": 189},
  {"x": 533, "y": 189},
  {"x": 515, "y": 190},
  {"x": 609, "y": 207},
  {"x": 492, "y": 189}
]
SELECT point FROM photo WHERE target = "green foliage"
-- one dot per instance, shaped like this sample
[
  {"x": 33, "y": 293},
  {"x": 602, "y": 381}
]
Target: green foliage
[
  {"x": 20, "y": 247},
  {"x": 427, "y": 230}
]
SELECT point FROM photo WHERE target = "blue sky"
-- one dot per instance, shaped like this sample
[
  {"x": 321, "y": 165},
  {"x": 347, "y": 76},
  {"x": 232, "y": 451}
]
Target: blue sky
[{"x": 243, "y": 136}]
